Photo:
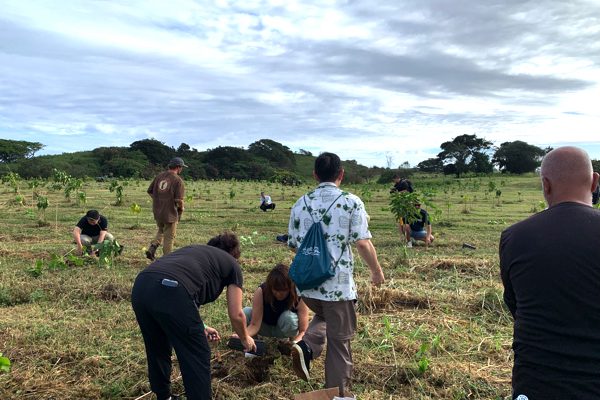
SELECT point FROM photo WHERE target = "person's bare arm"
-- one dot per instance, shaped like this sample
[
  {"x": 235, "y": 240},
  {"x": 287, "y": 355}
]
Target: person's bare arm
[
  {"x": 257, "y": 313},
  {"x": 302, "y": 320},
  {"x": 101, "y": 236},
  {"x": 428, "y": 236},
  {"x": 77, "y": 238},
  {"x": 237, "y": 317},
  {"x": 367, "y": 252}
]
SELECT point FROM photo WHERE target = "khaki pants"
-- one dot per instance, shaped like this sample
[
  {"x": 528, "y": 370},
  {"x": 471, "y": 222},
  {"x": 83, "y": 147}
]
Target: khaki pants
[
  {"x": 334, "y": 322},
  {"x": 87, "y": 241},
  {"x": 166, "y": 231}
]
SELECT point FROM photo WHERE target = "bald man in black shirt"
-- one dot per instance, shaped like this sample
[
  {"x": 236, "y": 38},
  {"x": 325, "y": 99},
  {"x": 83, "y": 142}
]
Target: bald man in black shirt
[
  {"x": 550, "y": 267},
  {"x": 166, "y": 297}
]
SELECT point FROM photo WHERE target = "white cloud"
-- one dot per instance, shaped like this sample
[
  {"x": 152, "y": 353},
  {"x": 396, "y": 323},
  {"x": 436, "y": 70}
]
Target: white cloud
[{"x": 358, "y": 78}]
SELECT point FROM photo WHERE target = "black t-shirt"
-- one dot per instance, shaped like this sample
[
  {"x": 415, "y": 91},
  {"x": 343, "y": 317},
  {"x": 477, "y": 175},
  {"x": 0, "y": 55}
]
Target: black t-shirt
[
  {"x": 403, "y": 185},
  {"x": 419, "y": 225},
  {"x": 202, "y": 270},
  {"x": 272, "y": 313},
  {"x": 550, "y": 268},
  {"x": 92, "y": 230}
]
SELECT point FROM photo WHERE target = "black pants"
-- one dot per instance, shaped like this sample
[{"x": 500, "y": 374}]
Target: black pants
[
  {"x": 168, "y": 318},
  {"x": 266, "y": 207}
]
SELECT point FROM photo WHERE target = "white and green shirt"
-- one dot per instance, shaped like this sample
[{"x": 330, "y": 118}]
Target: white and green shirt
[{"x": 344, "y": 223}]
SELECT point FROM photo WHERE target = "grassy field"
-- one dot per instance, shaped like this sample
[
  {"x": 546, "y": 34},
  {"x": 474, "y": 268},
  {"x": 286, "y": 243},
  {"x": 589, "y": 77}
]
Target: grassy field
[{"x": 436, "y": 330}]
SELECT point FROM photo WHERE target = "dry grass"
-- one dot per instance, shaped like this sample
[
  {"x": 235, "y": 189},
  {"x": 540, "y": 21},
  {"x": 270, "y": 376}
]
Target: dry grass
[{"x": 71, "y": 333}]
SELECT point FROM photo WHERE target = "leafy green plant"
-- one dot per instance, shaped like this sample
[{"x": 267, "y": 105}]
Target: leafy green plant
[
  {"x": 37, "y": 269},
  {"x": 118, "y": 190},
  {"x": 465, "y": 200},
  {"x": 402, "y": 205},
  {"x": 136, "y": 209},
  {"x": 71, "y": 186},
  {"x": 107, "y": 250},
  {"x": 4, "y": 364},
  {"x": 13, "y": 179},
  {"x": 19, "y": 200},
  {"x": 81, "y": 198},
  {"x": 42, "y": 205},
  {"x": 498, "y": 194},
  {"x": 422, "y": 359}
]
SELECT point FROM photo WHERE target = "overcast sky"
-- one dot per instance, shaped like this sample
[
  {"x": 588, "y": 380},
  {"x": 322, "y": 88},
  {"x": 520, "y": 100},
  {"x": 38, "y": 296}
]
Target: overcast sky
[{"x": 368, "y": 80}]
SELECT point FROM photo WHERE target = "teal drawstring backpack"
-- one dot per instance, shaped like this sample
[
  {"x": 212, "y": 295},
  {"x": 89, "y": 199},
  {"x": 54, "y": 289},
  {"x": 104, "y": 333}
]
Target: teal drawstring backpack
[{"x": 313, "y": 263}]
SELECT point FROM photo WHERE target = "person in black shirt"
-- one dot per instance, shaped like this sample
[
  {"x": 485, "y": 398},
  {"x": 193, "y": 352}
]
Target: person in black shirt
[
  {"x": 166, "y": 297},
  {"x": 92, "y": 228},
  {"x": 276, "y": 310},
  {"x": 401, "y": 185},
  {"x": 550, "y": 268},
  {"x": 419, "y": 229}
]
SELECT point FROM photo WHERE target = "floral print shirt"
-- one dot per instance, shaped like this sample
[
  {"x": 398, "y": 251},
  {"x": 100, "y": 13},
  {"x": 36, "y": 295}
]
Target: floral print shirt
[{"x": 345, "y": 223}]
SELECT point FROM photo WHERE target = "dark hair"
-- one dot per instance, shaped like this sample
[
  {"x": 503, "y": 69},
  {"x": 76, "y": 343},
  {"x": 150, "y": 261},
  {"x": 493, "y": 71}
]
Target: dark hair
[
  {"x": 278, "y": 279},
  {"x": 328, "y": 167},
  {"x": 92, "y": 214},
  {"x": 227, "y": 241}
]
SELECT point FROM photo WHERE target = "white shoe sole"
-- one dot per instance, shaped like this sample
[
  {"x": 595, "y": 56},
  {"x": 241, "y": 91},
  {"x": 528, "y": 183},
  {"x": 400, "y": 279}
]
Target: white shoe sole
[{"x": 298, "y": 363}]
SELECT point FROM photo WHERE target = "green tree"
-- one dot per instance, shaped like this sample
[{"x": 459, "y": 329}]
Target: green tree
[
  {"x": 480, "y": 163},
  {"x": 277, "y": 154},
  {"x": 461, "y": 150},
  {"x": 431, "y": 165},
  {"x": 13, "y": 150},
  {"x": 157, "y": 152},
  {"x": 518, "y": 157}
]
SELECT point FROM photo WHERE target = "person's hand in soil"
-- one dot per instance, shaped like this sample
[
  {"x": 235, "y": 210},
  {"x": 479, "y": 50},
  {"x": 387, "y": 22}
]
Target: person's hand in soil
[
  {"x": 212, "y": 334},
  {"x": 248, "y": 344}
]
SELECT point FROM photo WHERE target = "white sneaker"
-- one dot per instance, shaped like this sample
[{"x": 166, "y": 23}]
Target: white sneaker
[{"x": 409, "y": 244}]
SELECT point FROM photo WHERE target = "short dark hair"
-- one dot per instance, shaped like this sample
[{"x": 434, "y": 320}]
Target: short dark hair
[
  {"x": 328, "y": 167},
  {"x": 92, "y": 214},
  {"x": 227, "y": 241}
]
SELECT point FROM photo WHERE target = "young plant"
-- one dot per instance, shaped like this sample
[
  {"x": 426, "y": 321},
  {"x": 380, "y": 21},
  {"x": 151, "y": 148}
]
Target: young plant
[
  {"x": 118, "y": 189},
  {"x": 498, "y": 194},
  {"x": 402, "y": 205},
  {"x": 42, "y": 205},
  {"x": 4, "y": 364},
  {"x": 13, "y": 180},
  {"x": 136, "y": 209},
  {"x": 422, "y": 359},
  {"x": 107, "y": 250}
]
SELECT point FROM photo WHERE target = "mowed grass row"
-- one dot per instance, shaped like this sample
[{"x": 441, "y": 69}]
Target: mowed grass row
[{"x": 436, "y": 330}]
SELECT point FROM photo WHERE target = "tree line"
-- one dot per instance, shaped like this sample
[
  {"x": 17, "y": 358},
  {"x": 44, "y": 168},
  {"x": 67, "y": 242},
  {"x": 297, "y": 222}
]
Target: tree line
[{"x": 264, "y": 159}]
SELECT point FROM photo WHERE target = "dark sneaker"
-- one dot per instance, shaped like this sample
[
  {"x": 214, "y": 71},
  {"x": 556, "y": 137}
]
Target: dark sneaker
[
  {"x": 301, "y": 356},
  {"x": 150, "y": 252}
]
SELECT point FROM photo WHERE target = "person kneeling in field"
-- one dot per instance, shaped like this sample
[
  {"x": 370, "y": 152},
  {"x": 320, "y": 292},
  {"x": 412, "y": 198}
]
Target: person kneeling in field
[
  {"x": 419, "y": 229},
  {"x": 276, "y": 310},
  {"x": 91, "y": 229},
  {"x": 166, "y": 297}
]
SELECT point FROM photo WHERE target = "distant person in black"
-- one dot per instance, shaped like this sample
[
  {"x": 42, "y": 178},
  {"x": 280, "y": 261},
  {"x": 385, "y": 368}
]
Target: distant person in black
[
  {"x": 550, "y": 267},
  {"x": 92, "y": 228},
  {"x": 166, "y": 297},
  {"x": 596, "y": 195},
  {"x": 402, "y": 185}
]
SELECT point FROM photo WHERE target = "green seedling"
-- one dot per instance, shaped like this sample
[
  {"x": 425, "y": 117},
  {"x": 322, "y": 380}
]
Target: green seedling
[
  {"x": 136, "y": 209},
  {"x": 4, "y": 364}
]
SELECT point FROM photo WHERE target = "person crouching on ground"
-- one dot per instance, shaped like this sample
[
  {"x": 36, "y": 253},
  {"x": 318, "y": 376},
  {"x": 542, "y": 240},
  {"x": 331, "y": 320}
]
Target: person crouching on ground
[
  {"x": 419, "y": 229},
  {"x": 166, "y": 297},
  {"x": 265, "y": 202},
  {"x": 91, "y": 229},
  {"x": 276, "y": 310}
]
